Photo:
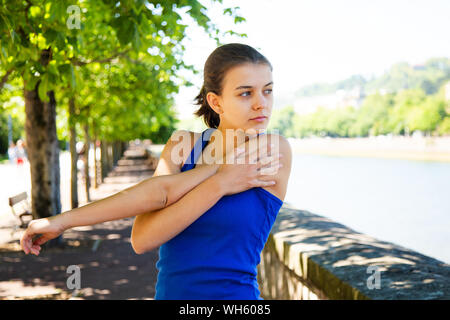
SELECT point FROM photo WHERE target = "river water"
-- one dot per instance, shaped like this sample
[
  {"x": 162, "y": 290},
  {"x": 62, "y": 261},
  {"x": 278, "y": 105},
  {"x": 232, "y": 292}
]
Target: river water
[{"x": 400, "y": 201}]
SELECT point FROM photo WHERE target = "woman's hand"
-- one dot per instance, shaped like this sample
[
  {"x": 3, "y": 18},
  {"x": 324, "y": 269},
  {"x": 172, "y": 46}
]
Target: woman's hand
[
  {"x": 238, "y": 173},
  {"x": 44, "y": 229}
]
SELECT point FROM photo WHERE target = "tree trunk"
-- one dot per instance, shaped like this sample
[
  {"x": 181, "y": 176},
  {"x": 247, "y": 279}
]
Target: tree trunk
[
  {"x": 108, "y": 157},
  {"x": 43, "y": 153},
  {"x": 119, "y": 143},
  {"x": 112, "y": 155},
  {"x": 103, "y": 162},
  {"x": 86, "y": 162},
  {"x": 124, "y": 147},
  {"x": 95, "y": 164},
  {"x": 115, "y": 152},
  {"x": 73, "y": 156},
  {"x": 120, "y": 149}
]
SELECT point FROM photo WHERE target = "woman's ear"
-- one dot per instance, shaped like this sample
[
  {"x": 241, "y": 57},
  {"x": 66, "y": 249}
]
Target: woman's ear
[{"x": 214, "y": 102}]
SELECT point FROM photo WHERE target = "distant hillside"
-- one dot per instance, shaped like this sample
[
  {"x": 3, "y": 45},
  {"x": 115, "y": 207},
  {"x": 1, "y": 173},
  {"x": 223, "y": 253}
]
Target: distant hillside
[{"x": 430, "y": 76}]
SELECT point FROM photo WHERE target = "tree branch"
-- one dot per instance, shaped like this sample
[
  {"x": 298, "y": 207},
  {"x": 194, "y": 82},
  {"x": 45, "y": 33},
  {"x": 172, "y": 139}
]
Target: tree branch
[
  {"x": 83, "y": 63},
  {"x": 134, "y": 61},
  {"x": 5, "y": 78}
]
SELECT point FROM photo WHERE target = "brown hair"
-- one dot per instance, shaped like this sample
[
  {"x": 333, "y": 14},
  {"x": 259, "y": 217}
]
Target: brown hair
[{"x": 218, "y": 63}]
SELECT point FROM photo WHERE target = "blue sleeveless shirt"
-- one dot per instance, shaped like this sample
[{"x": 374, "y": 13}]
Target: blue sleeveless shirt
[{"x": 215, "y": 258}]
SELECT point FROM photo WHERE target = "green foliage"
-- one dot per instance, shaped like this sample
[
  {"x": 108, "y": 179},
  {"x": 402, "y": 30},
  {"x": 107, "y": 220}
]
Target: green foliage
[
  {"x": 283, "y": 121},
  {"x": 404, "y": 104},
  {"x": 11, "y": 104},
  {"x": 324, "y": 122},
  {"x": 401, "y": 114},
  {"x": 17, "y": 130},
  {"x": 121, "y": 65},
  {"x": 339, "y": 122},
  {"x": 372, "y": 116},
  {"x": 427, "y": 115},
  {"x": 403, "y": 100},
  {"x": 444, "y": 126}
]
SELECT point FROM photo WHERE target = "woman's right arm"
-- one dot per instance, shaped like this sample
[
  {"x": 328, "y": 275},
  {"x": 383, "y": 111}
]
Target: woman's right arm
[
  {"x": 165, "y": 187},
  {"x": 151, "y": 194}
]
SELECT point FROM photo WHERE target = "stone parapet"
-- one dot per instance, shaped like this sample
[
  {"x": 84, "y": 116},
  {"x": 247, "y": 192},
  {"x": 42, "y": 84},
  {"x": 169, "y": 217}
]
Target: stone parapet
[{"x": 308, "y": 256}]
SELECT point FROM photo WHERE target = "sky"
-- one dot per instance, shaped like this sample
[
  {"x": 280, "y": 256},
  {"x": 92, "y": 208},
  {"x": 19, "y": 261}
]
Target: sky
[{"x": 310, "y": 41}]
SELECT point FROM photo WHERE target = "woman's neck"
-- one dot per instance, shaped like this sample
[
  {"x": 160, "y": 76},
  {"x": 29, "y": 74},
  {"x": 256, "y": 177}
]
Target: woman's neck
[{"x": 229, "y": 138}]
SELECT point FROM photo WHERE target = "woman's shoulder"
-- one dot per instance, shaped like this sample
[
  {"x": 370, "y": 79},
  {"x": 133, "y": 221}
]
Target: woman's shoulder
[
  {"x": 281, "y": 140},
  {"x": 183, "y": 140},
  {"x": 175, "y": 151},
  {"x": 184, "y": 137},
  {"x": 280, "y": 144}
]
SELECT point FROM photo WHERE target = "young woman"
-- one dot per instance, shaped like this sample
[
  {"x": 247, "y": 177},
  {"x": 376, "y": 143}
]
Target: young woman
[
  {"x": 211, "y": 221},
  {"x": 210, "y": 241}
]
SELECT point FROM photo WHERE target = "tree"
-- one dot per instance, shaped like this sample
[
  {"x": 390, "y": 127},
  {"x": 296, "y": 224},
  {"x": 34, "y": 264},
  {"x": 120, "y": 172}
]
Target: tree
[
  {"x": 372, "y": 115},
  {"x": 283, "y": 121},
  {"x": 339, "y": 121},
  {"x": 11, "y": 108},
  {"x": 427, "y": 116},
  {"x": 444, "y": 126},
  {"x": 404, "y": 103}
]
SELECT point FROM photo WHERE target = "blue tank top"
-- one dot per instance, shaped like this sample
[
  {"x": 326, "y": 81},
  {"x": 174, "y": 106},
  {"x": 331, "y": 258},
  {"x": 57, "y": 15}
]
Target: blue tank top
[{"x": 215, "y": 258}]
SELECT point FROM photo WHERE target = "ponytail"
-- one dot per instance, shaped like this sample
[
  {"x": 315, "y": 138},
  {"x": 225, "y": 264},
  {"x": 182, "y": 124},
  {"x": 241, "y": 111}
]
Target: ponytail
[{"x": 210, "y": 117}]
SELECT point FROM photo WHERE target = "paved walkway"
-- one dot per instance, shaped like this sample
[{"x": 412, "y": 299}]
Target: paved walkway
[{"x": 109, "y": 267}]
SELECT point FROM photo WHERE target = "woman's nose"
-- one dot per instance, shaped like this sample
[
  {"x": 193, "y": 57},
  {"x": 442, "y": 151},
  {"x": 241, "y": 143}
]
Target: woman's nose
[{"x": 260, "y": 102}]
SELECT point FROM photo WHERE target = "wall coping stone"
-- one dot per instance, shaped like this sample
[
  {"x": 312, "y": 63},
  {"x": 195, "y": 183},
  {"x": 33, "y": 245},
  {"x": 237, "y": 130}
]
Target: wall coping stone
[{"x": 335, "y": 260}]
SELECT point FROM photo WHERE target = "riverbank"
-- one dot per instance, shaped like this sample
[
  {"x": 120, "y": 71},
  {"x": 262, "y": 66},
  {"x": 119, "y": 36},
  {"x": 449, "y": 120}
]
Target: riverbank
[{"x": 407, "y": 148}]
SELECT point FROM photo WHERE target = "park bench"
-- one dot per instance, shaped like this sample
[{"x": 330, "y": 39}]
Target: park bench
[{"x": 20, "y": 207}]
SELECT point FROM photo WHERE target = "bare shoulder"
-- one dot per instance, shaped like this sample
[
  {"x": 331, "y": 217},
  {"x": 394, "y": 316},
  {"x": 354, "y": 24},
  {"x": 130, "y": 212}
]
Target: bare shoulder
[
  {"x": 183, "y": 138},
  {"x": 280, "y": 140},
  {"x": 175, "y": 152},
  {"x": 281, "y": 145}
]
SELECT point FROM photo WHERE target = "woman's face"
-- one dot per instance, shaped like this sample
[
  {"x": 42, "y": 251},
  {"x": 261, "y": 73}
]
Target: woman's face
[{"x": 246, "y": 100}]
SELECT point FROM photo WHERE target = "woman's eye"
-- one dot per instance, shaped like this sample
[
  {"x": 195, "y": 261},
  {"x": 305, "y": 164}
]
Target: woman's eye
[{"x": 248, "y": 93}]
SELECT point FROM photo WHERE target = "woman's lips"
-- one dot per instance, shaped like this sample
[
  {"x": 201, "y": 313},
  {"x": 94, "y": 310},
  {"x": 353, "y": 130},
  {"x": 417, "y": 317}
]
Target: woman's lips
[{"x": 259, "y": 119}]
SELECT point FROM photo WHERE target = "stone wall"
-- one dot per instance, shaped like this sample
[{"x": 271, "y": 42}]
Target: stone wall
[{"x": 308, "y": 256}]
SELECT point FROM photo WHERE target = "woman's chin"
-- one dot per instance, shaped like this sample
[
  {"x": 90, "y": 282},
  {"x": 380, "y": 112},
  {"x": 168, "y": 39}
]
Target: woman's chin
[{"x": 258, "y": 127}]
